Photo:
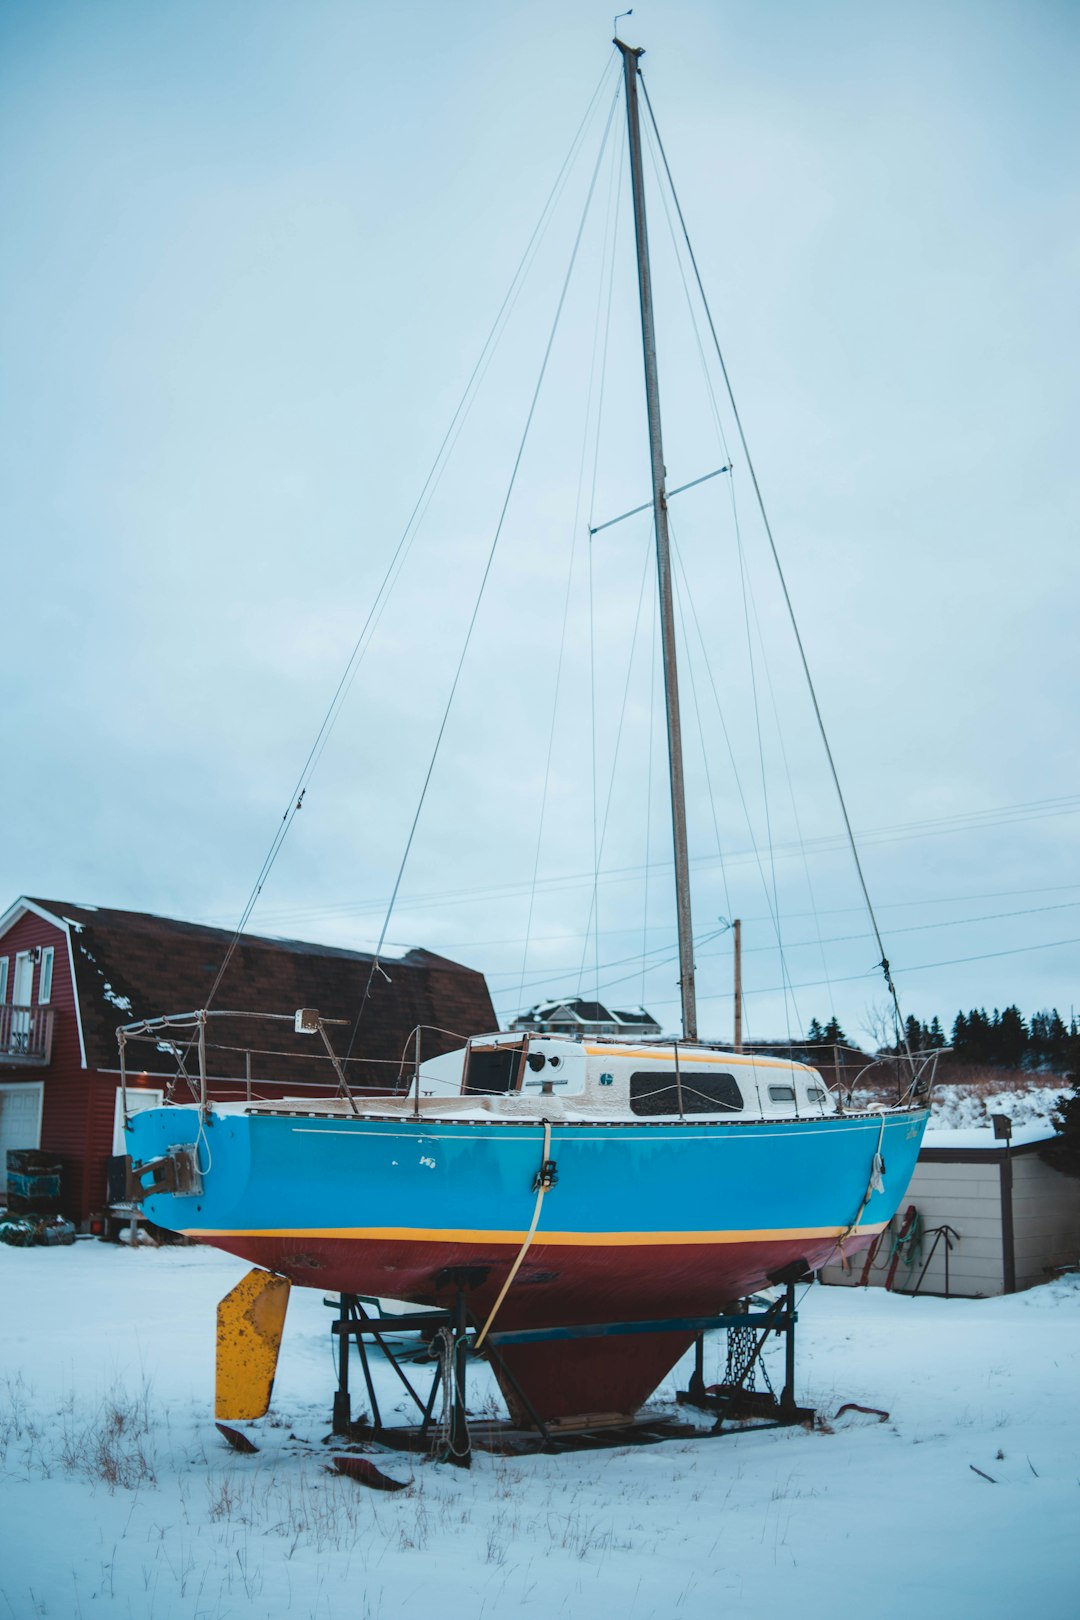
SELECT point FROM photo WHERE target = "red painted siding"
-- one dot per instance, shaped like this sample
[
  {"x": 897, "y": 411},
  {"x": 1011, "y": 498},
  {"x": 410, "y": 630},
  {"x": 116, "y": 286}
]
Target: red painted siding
[
  {"x": 66, "y": 1112},
  {"x": 146, "y": 958}
]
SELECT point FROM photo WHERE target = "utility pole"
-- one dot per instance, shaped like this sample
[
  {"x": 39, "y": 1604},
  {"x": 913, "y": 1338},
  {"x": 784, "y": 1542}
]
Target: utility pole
[{"x": 737, "y": 928}]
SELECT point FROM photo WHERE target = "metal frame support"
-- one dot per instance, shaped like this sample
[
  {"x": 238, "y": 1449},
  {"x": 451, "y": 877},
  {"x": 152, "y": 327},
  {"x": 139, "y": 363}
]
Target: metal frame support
[
  {"x": 355, "y": 1322},
  {"x": 460, "y": 1445},
  {"x": 787, "y": 1394},
  {"x": 735, "y": 1401}
]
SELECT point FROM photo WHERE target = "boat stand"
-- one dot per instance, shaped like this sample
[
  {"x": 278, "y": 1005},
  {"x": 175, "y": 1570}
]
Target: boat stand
[
  {"x": 357, "y": 1321},
  {"x": 736, "y": 1399},
  {"x": 443, "y": 1339}
]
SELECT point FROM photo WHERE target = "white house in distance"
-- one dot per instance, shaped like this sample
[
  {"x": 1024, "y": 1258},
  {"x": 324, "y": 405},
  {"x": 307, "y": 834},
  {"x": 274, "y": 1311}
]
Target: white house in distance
[{"x": 574, "y": 1016}]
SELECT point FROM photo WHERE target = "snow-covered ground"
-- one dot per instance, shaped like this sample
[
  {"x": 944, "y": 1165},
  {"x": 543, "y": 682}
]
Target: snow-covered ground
[{"x": 118, "y": 1498}]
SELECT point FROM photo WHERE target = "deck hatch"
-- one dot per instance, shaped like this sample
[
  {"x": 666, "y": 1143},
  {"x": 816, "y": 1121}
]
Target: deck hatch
[{"x": 493, "y": 1070}]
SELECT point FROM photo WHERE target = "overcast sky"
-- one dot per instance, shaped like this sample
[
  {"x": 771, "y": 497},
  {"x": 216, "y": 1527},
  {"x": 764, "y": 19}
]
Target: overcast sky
[{"x": 250, "y": 254}]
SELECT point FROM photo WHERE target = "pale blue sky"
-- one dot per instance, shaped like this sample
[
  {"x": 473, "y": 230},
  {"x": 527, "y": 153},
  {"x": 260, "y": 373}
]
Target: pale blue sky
[{"x": 249, "y": 254}]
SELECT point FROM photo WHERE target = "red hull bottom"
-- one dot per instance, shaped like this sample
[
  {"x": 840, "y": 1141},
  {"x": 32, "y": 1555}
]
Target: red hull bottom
[{"x": 558, "y": 1285}]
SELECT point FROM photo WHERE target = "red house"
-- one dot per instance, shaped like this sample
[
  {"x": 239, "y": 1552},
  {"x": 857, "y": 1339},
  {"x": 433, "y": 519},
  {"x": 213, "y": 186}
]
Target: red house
[{"x": 70, "y": 975}]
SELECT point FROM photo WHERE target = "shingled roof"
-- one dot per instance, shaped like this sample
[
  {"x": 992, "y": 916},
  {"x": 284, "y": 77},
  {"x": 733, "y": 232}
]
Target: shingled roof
[{"x": 131, "y": 965}]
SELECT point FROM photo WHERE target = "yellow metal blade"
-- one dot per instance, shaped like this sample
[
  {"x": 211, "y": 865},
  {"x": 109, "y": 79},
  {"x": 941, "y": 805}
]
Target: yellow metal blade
[{"x": 249, "y": 1323}]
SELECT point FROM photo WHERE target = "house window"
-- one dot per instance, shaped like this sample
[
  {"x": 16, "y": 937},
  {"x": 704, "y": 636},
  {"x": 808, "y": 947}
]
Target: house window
[
  {"x": 45, "y": 979},
  {"x": 3, "y": 979},
  {"x": 655, "y": 1092}
]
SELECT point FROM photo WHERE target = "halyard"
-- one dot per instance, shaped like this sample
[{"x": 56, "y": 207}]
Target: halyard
[{"x": 120, "y": 1499}]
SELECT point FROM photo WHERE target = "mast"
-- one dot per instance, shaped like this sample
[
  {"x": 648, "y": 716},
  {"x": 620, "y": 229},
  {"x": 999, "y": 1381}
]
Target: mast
[{"x": 663, "y": 554}]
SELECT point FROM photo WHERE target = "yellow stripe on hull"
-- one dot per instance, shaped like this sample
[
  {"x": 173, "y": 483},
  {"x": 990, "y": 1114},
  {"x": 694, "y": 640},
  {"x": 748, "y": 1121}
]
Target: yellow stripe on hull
[{"x": 412, "y": 1234}]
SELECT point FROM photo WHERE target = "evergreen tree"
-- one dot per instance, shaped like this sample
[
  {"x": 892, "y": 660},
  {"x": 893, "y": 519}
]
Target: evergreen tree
[
  {"x": 1063, "y": 1151},
  {"x": 833, "y": 1035},
  {"x": 1057, "y": 1054},
  {"x": 1048, "y": 1041},
  {"x": 815, "y": 1034},
  {"x": 1012, "y": 1039},
  {"x": 959, "y": 1036},
  {"x": 915, "y": 1034},
  {"x": 935, "y": 1035},
  {"x": 979, "y": 1036}
]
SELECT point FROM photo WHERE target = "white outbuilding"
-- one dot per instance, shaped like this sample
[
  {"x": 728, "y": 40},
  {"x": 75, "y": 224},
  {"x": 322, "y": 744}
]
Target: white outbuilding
[{"x": 982, "y": 1216}]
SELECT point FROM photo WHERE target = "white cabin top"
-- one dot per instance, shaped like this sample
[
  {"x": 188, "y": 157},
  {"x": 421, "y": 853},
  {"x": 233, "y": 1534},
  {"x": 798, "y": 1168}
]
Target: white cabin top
[{"x": 519, "y": 1077}]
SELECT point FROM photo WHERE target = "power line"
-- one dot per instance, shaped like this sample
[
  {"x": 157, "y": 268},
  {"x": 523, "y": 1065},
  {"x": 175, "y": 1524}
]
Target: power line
[
  {"x": 856, "y": 978},
  {"x": 1034, "y": 810}
]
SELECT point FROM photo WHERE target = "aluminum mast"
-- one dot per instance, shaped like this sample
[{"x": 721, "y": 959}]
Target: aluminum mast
[{"x": 663, "y": 554}]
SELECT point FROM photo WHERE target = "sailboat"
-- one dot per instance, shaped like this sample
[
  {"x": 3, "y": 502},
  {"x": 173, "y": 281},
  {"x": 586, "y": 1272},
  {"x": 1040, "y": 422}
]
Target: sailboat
[{"x": 539, "y": 1180}]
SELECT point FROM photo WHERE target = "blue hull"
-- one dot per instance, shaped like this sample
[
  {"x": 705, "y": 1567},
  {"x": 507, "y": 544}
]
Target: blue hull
[
  {"x": 390, "y": 1180},
  {"x": 647, "y": 1222}
]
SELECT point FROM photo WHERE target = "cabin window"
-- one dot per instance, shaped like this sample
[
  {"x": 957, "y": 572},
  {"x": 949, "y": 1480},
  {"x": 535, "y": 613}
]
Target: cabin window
[
  {"x": 3, "y": 979},
  {"x": 815, "y": 1094},
  {"x": 493, "y": 1071},
  {"x": 782, "y": 1094},
  {"x": 654, "y": 1091},
  {"x": 45, "y": 979}
]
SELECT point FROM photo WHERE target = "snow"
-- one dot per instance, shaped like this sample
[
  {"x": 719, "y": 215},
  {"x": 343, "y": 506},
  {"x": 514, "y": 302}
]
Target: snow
[
  {"x": 955, "y": 1106},
  {"x": 118, "y": 1497},
  {"x": 115, "y": 1000},
  {"x": 982, "y": 1136}
]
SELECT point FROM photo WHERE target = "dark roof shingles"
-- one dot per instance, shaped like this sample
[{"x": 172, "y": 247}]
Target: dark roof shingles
[{"x": 161, "y": 965}]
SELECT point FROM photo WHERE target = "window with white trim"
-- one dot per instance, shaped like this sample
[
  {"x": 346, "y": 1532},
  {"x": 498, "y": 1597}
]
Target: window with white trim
[
  {"x": 3, "y": 979},
  {"x": 45, "y": 976}
]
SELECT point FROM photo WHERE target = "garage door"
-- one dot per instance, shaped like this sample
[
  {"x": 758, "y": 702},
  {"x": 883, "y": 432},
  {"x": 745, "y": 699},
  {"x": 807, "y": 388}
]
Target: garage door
[{"x": 20, "y": 1119}]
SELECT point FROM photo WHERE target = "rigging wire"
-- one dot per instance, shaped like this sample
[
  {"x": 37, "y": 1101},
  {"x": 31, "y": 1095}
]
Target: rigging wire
[
  {"x": 486, "y": 574},
  {"x": 654, "y": 659},
  {"x": 755, "y": 853},
  {"x": 296, "y": 798},
  {"x": 610, "y": 229},
  {"x": 618, "y": 744},
  {"x": 884, "y": 963},
  {"x": 833, "y": 911},
  {"x": 926, "y": 967},
  {"x": 859, "y": 978},
  {"x": 679, "y": 577},
  {"x": 930, "y": 827},
  {"x": 594, "y": 910},
  {"x": 804, "y": 944},
  {"x": 746, "y": 588}
]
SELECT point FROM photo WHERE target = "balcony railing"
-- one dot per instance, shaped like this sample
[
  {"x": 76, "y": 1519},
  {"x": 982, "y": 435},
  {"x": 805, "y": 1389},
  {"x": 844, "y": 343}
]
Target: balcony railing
[{"x": 26, "y": 1036}]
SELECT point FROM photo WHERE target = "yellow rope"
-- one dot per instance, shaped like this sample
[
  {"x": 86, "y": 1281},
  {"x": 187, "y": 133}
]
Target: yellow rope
[{"x": 542, "y": 1188}]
